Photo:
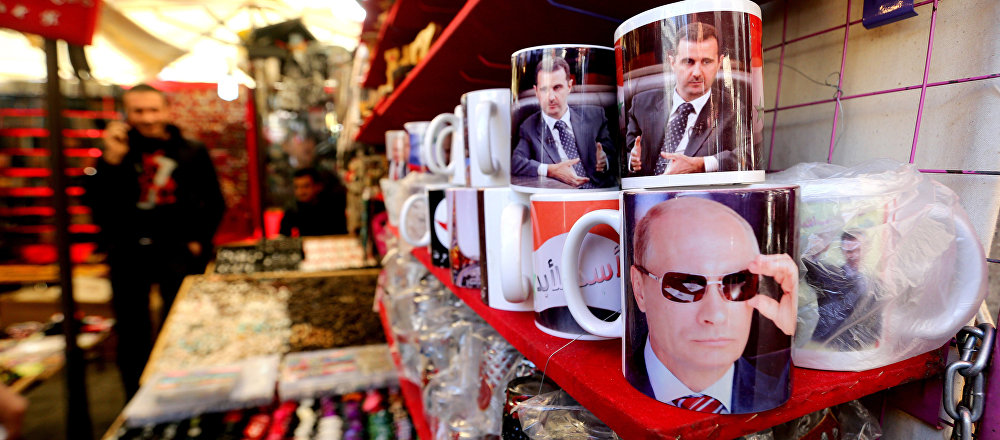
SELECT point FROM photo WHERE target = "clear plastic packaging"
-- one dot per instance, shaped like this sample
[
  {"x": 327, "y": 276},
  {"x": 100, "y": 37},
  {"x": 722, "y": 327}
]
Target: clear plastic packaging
[
  {"x": 338, "y": 371},
  {"x": 848, "y": 421},
  {"x": 890, "y": 265},
  {"x": 556, "y": 416},
  {"x": 179, "y": 394}
]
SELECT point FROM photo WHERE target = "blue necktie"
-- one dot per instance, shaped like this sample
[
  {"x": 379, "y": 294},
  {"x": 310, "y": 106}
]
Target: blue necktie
[{"x": 675, "y": 131}]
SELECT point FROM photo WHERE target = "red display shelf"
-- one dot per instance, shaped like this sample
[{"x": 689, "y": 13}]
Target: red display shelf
[
  {"x": 38, "y": 191},
  {"x": 82, "y": 228},
  {"x": 44, "y": 152},
  {"x": 41, "y": 211},
  {"x": 36, "y": 172},
  {"x": 590, "y": 371},
  {"x": 406, "y": 18},
  {"x": 411, "y": 392},
  {"x": 36, "y": 112},
  {"x": 91, "y": 133},
  {"x": 473, "y": 52}
]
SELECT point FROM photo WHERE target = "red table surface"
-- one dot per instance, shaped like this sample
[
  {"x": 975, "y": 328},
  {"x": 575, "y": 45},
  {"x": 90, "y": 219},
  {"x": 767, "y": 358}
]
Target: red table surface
[
  {"x": 411, "y": 392},
  {"x": 590, "y": 371}
]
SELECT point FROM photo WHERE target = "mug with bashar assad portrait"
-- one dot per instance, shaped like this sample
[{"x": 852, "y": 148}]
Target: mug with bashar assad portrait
[
  {"x": 690, "y": 90},
  {"x": 563, "y": 119},
  {"x": 709, "y": 293}
]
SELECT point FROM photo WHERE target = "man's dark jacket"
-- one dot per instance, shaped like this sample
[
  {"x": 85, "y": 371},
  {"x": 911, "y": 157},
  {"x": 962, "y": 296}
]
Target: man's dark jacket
[{"x": 113, "y": 191}]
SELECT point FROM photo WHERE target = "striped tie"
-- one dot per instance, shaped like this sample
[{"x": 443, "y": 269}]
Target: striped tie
[{"x": 700, "y": 402}]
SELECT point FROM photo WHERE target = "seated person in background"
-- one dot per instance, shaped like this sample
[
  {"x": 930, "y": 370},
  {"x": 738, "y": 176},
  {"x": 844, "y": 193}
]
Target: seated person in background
[{"x": 318, "y": 211}]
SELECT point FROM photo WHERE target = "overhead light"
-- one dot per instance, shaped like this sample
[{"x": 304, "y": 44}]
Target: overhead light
[{"x": 229, "y": 88}]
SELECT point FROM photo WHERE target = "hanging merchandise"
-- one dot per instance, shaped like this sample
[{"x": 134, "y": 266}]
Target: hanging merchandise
[{"x": 73, "y": 21}]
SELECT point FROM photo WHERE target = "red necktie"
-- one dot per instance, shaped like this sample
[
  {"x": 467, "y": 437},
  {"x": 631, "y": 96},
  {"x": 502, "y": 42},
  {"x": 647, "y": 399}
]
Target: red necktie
[{"x": 700, "y": 402}]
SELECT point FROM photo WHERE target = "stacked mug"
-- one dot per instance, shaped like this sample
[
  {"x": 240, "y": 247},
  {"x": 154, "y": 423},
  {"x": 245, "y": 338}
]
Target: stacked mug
[
  {"x": 470, "y": 148},
  {"x": 649, "y": 223},
  {"x": 611, "y": 191},
  {"x": 618, "y": 193}
]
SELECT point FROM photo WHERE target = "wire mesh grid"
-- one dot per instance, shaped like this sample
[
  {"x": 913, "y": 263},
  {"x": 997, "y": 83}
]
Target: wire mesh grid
[{"x": 955, "y": 145}]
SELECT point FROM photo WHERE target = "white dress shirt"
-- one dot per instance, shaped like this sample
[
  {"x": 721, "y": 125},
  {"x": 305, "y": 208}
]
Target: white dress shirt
[
  {"x": 711, "y": 163},
  {"x": 666, "y": 386},
  {"x": 543, "y": 169}
]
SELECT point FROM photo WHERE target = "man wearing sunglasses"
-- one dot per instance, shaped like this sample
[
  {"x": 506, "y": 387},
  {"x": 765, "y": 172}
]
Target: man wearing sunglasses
[{"x": 696, "y": 275}]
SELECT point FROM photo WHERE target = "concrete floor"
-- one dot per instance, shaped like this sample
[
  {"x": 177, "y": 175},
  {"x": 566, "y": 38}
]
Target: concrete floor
[{"x": 46, "y": 417}]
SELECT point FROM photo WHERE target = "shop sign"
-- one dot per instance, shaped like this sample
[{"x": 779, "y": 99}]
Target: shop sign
[{"x": 70, "y": 20}]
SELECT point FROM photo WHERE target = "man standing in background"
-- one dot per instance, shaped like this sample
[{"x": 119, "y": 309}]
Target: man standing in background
[{"x": 157, "y": 201}]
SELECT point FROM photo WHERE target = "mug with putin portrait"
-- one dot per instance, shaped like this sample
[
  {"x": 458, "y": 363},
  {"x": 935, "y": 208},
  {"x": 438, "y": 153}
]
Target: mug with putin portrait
[
  {"x": 709, "y": 294},
  {"x": 563, "y": 119},
  {"x": 691, "y": 94}
]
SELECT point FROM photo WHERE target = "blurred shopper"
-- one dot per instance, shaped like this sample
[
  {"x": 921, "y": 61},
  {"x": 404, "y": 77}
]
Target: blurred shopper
[
  {"x": 157, "y": 200},
  {"x": 319, "y": 210},
  {"x": 12, "y": 409}
]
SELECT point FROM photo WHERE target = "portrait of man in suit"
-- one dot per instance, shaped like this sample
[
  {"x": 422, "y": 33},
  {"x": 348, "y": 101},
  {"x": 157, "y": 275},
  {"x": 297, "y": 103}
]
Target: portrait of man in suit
[
  {"x": 697, "y": 276},
  {"x": 567, "y": 143},
  {"x": 849, "y": 310},
  {"x": 686, "y": 126}
]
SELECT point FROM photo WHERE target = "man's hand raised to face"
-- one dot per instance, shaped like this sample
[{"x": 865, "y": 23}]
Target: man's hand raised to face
[
  {"x": 783, "y": 269},
  {"x": 115, "y": 142}
]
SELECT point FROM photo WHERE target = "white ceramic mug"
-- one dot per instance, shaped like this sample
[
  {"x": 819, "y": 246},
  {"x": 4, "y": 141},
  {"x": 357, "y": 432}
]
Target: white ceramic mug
[
  {"x": 397, "y": 144},
  {"x": 417, "y": 130},
  {"x": 464, "y": 256},
  {"x": 552, "y": 216},
  {"x": 443, "y": 127},
  {"x": 709, "y": 287},
  {"x": 494, "y": 235},
  {"x": 431, "y": 200},
  {"x": 488, "y": 118},
  {"x": 681, "y": 129},
  {"x": 564, "y": 119}
]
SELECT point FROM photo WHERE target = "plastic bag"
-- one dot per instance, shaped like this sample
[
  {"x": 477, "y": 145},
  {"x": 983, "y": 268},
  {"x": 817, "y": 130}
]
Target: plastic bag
[
  {"x": 556, "y": 416},
  {"x": 890, "y": 265},
  {"x": 848, "y": 421},
  {"x": 179, "y": 394},
  {"x": 310, "y": 374}
]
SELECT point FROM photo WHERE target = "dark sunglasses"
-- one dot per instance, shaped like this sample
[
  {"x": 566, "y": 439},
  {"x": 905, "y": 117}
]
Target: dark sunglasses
[{"x": 686, "y": 288}]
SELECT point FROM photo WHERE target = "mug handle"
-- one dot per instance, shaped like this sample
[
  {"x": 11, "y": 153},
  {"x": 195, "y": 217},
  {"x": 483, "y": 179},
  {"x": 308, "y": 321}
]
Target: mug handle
[
  {"x": 571, "y": 273},
  {"x": 458, "y": 164},
  {"x": 970, "y": 276},
  {"x": 432, "y": 141},
  {"x": 484, "y": 112},
  {"x": 516, "y": 287},
  {"x": 437, "y": 153},
  {"x": 404, "y": 214}
]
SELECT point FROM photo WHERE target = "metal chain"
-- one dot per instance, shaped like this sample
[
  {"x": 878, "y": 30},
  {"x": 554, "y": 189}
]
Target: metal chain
[{"x": 975, "y": 351}]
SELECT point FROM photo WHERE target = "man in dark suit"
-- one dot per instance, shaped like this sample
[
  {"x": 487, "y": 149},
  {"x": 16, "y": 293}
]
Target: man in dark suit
[
  {"x": 696, "y": 278},
  {"x": 569, "y": 144},
  {"x": 688, "y": 129},
  {"x": 849, "y": 310}
]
